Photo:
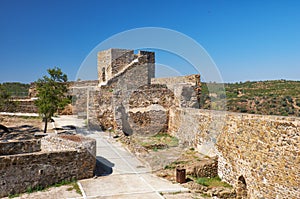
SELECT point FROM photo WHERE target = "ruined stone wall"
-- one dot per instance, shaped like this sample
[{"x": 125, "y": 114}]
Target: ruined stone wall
[
  {"x": 187, "y": 89},
  {"x": 262, "y": 150},
  {"x": 103, "y": 63},
  {"x": 19, "y": 147},
  {"x": 129, "y": 81},
  {"x": 26, "y": 106},
  {"x": 100, "y": 111},
  {"x": 171, "y": 82},
  {"x": 51, "y": 165},
  {"x": 112, "y": 102},
  {"x": 22, "y": 106},
  {"x": 113, "y": 61},
  {"x": 149, "y": 109},
  {"x": 121, "y": 58},
  {"x": 80, "y": 91}
]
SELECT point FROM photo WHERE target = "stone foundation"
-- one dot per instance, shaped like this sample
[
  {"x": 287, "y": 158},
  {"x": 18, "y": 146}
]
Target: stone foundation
[{"x": 61, "y": 158}]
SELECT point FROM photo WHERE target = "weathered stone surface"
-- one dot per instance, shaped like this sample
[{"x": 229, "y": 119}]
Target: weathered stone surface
[
  {"x": 148, "y": 109},
  {"x": 187, "y": 89},
  {"x": 19, "y": 147},
  {"x": 148, "y": 123},
  {"x": 80, "y": 91},
  {"x": 61, "y": 158},
  {"x": 264, "y": 150},
  {"x": 208, "y": 168}
]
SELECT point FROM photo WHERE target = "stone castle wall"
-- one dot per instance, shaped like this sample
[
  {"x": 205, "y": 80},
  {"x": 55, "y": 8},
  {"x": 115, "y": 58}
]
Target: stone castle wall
[
  {"x": 109, "y": 104},
  {"x": 262, "y": 150},
  {"x": 149, "y": 109},
  {"x": 79, "y": 90},
  {"x": 187, "y": 89},
  {"x": 60, "y": 159},
  {"x": 113, "y": 61},
  {"x": 171, "y": 82},
  {"x": 129, "y": 99}
]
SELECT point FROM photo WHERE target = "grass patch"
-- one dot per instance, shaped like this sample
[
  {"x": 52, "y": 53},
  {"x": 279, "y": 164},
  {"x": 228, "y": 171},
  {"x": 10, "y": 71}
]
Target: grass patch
[
  {"x": 13, "y": 195},
  {"x": 212, "y": 182},
  {"x": 74, "y": 186},
  {"x": 63, "y": 182},
  {"x": 34, "y": 189},
  {"x": 159, "y": 141}
]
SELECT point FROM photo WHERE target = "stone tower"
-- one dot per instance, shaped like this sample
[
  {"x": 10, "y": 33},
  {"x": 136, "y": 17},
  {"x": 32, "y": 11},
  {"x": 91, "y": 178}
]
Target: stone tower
[{"x": 112, "y": 62}]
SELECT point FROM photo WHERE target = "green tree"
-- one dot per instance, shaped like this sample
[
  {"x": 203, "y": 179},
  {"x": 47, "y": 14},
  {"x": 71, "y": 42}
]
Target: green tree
[{"x": 51, "y": 95}]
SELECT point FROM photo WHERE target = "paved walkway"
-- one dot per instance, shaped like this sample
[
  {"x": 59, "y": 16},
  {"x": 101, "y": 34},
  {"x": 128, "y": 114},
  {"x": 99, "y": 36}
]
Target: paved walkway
[{"x": 120, "y": 174}]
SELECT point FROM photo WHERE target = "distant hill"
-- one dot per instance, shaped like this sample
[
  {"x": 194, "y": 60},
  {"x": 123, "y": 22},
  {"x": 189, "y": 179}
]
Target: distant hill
[
  {"x": 16, "y": 89},
  {"x": 277, "y": 97}
]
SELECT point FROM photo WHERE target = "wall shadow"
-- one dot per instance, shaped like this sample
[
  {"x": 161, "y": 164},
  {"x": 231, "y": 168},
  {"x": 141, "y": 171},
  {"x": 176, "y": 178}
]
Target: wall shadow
[{"x": 103, "y": 166}]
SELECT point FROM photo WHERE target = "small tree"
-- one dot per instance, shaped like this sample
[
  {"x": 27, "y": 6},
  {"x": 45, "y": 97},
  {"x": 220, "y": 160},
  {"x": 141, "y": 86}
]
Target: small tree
[{"x": 51, "y": 95}]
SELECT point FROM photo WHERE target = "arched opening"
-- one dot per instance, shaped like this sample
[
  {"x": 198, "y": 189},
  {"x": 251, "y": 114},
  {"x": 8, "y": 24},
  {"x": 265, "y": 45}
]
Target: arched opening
[{"x": 241, "y": 189}]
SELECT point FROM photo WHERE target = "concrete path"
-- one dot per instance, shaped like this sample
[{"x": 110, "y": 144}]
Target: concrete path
[{"x": 120, "y": 174}]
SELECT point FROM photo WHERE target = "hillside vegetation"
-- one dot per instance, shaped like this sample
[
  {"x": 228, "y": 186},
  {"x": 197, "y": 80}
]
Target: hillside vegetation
[
  {"x": 15, "y": 89},
  {"x": 277, "y": 97}
]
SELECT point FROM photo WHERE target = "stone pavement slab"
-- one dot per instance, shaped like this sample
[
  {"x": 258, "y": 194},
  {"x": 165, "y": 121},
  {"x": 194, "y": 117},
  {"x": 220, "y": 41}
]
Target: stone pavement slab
[
  {"x": 129, "y": 178},
  {"x": 120, "y": 174}
]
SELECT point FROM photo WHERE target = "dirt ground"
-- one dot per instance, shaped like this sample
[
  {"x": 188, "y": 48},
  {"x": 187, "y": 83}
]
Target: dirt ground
[{"x": 65, "y": 191}]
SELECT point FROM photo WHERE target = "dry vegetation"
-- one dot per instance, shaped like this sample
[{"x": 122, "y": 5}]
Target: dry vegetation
[{"x": 278, "y": 97}]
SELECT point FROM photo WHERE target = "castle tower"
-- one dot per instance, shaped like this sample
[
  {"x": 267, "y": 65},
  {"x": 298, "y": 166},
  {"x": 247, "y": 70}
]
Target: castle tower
[{"x": 112, "y": 62}]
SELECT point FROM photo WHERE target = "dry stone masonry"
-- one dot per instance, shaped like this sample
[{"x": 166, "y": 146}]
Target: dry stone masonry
[
  {"x": 43, "y": 162},
  {"x": 261, "y": 153},
  {"x": 129, "y": 99}
]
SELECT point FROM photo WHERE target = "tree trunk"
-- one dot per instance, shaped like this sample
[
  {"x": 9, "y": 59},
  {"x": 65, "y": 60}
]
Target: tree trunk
[{"x": 46, "y": 123}]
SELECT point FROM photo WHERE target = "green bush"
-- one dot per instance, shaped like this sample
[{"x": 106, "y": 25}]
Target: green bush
[{"x": 212, "y": 182}]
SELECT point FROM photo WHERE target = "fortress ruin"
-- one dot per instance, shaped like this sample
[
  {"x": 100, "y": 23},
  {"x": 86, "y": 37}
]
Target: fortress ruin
[{"x": 259, "y": 152}]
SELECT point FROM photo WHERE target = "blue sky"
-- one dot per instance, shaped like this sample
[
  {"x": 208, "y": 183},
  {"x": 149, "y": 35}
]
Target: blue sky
[{"x": 248, "y": 40}]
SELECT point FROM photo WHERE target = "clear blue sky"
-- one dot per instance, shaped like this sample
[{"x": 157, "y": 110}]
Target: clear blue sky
[{"x": 248, "y": 40}]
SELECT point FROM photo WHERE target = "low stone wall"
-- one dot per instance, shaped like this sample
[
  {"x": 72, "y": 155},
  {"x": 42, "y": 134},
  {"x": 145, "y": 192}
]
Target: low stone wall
[
  {"x": 61, "y": 158},
  {"x": 22, "y": 106},
  {"x": 261, "y": 152},
  {"x": 206, "y": 168},
  {"x": 19, "y": 147}
]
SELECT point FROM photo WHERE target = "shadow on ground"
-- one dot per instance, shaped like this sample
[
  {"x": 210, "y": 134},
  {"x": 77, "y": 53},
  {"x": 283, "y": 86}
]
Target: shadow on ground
[{"x": 103, "y": 166}]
